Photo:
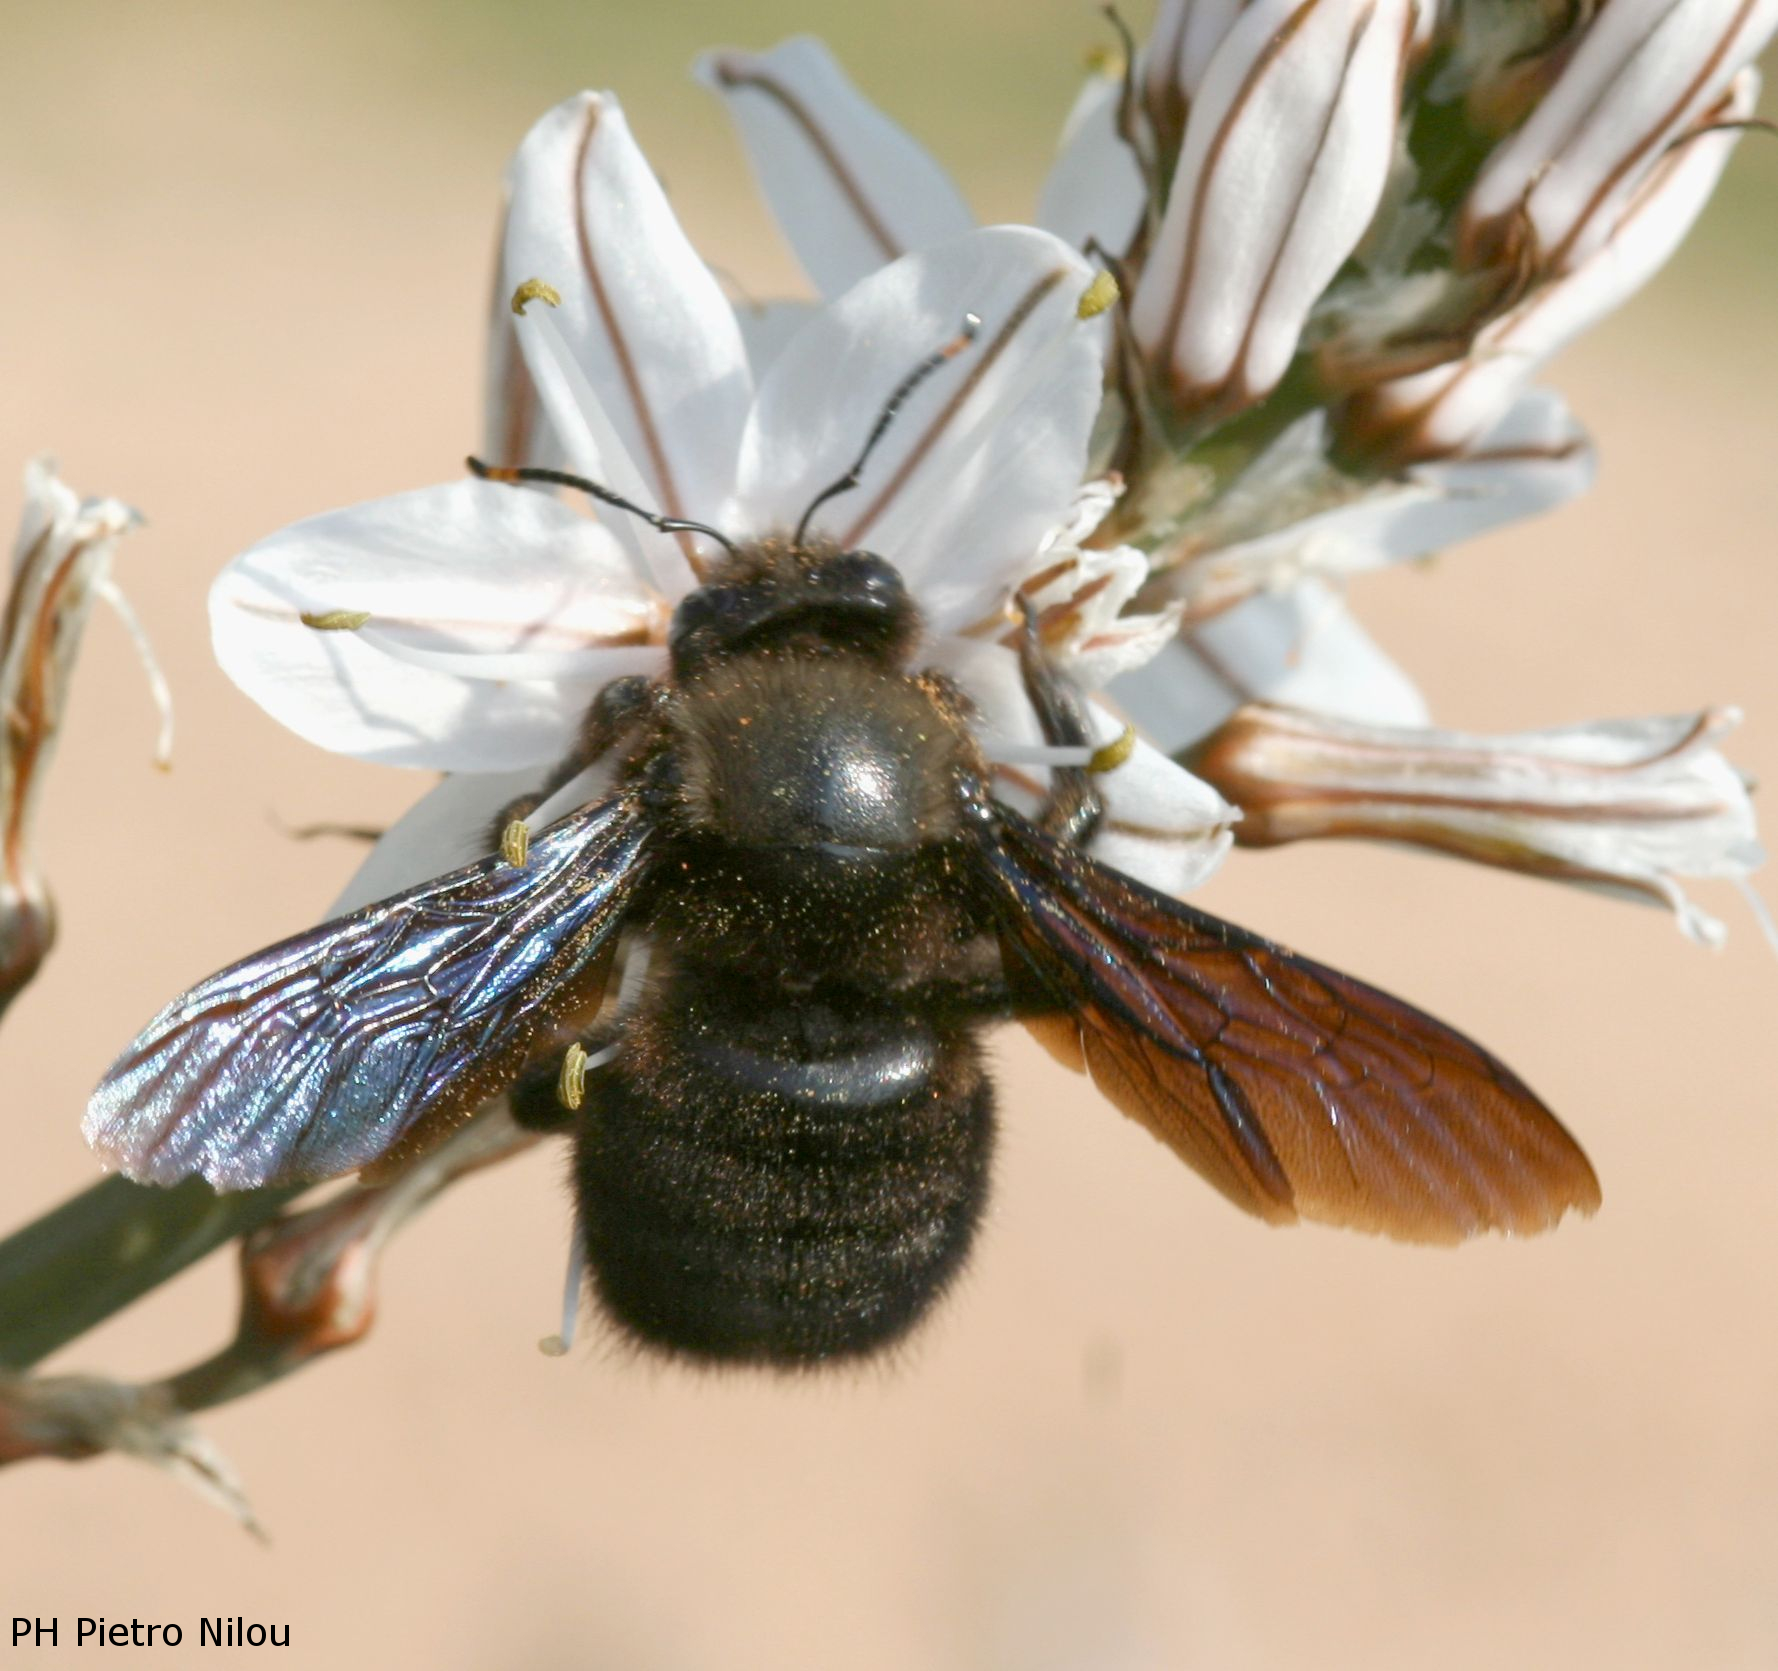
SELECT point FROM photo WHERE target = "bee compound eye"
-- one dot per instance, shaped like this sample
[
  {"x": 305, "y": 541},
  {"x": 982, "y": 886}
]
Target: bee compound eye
[
  {"x": 866, "y": 577},
  {"x": 705, "y": 619}
]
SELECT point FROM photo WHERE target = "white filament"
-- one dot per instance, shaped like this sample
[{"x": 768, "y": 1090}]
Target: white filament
[{"x": 158, "y": 687}]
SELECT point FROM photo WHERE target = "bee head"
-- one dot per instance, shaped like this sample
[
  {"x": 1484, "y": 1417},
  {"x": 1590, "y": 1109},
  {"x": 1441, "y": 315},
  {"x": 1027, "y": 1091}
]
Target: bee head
[{"x": 819, "y": 598}]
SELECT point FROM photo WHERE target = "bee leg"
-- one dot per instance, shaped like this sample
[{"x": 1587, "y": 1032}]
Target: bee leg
[
  {"x": 617, "y": 707},
  {"x": 534, "y": 1100},
  {"x": 985, "y": 986},
  {"x": 1074, "y": 809}
]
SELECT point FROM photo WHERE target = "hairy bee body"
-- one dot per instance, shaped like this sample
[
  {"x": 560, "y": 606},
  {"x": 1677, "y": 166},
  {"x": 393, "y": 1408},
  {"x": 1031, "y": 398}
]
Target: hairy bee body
[
  {"x": 769, "y": 1178},
  {"x": 787, "y": 1158}
]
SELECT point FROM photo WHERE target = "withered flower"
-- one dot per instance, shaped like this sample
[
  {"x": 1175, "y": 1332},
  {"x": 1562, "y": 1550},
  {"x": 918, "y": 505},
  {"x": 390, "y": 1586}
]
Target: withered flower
[
  {"x": 61, "y": 566},
  {"x": 1630, "y": 805}
]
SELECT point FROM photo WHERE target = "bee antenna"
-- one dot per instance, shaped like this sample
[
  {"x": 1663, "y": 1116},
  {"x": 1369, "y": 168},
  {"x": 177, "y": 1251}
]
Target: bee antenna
[
  {"x": 561, "y": 478},
  {"x": 939, "y": 356}
]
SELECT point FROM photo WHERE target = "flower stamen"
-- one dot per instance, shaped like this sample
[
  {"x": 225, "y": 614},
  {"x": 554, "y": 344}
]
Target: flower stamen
[
  {"x": 1101, "y": 294},
  {"x": 1113, "y": 754},
  {"x": 1004, "y": 752},
  {"x": 535, "y": 290},
  {"x": 573, "y": 1280},
  {"x": 158, "y": 689},
  {"x": 571, "y": 1084}
]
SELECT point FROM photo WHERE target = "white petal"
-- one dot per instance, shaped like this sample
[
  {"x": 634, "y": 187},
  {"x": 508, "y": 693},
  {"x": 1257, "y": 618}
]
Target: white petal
[
  {"x": 642, "y": 315},
  {"x": 1303, "y": 648},
  {"x": 1162, "y": 825},
  {"x": 578, "y": 422},
  {"x": 488, "y": 582},
  {"x": 767, "y": 327},
  {"x": 1286, "y": 153},
  {"x": 1184, "y": 38},
  {"x": 986, "y": 456},
  {"x": 1095, "y": 191},
  {"x": 1534, "y": 459},
  {"x": 850, "y": 188},
  {"x": 515, "y": 428},
  {"x": 1643, "y": 72},
  {"x": 449, "y": 826}
]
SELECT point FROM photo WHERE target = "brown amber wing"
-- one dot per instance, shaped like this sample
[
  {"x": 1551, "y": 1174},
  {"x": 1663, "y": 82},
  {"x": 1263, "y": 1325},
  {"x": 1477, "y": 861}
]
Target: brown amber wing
[{"x": 1295, "y": 1090}]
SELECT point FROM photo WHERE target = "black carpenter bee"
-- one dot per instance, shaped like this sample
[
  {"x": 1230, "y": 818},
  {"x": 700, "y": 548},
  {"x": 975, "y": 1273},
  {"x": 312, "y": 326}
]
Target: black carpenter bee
[{"x": 785, "y": 1157}]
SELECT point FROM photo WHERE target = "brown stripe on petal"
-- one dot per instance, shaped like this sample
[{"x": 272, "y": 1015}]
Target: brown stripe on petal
[
  {"x": 1056, "y": 622},
  {"x": 620, "y": 348},
  {"x": 1558, "y": 453},
  {"x": 1046, "y": 577},
  {"x": 15, "y": 598},
  {"x": 545, "y": 635},
  {"x": 984, "y": 363},
  {"x": 1174, "y": 835},
  {"x": 1307, "y": 804},
  {"x": 519, "y": 402},
  {"x": 731, "y": 73}
]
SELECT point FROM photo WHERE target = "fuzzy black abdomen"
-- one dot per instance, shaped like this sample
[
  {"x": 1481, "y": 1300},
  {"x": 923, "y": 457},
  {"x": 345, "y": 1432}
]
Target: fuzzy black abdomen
[{"x": 784, "y": 1187}]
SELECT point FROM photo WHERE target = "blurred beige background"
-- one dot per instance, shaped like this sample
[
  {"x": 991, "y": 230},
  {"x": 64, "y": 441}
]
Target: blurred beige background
[{"x": 242, "y": 258}]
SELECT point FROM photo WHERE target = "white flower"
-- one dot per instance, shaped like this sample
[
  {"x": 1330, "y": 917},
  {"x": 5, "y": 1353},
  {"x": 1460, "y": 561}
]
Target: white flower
[
  {"x": 1628, "y": 805},
  {"x": 61, "y": 566},
  {"x": 467, "y": 627}
]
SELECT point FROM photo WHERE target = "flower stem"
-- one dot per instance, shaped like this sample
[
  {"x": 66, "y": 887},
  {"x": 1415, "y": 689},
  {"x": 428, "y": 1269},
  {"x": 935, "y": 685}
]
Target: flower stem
[{"x": 107, "y": 1247}]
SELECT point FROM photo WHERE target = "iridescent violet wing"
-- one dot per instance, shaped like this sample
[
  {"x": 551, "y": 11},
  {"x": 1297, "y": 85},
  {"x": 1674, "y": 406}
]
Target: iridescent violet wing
[
  {"x": 317, "y": 1055},
  {"x": 1297, "y": 1091}
]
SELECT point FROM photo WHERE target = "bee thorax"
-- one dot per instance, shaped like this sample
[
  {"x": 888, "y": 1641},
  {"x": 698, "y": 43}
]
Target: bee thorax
[{"x": 804, "y": 751}]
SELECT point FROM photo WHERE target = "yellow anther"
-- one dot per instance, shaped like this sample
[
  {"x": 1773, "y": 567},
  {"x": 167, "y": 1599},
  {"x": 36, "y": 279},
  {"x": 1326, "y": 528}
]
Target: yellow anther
[
  {"x": 553, "y": 1346},
  {"x": 571, "y": 1087},
  {"x": 1098, "y": 296},
  {"x": 535, "y": 290},
  {"x": 336, "y": 620},
  {"x": 1105, "y": 61},
  {"x": 515, "y": 843},
  {"x": 1114, "y": 753}
]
